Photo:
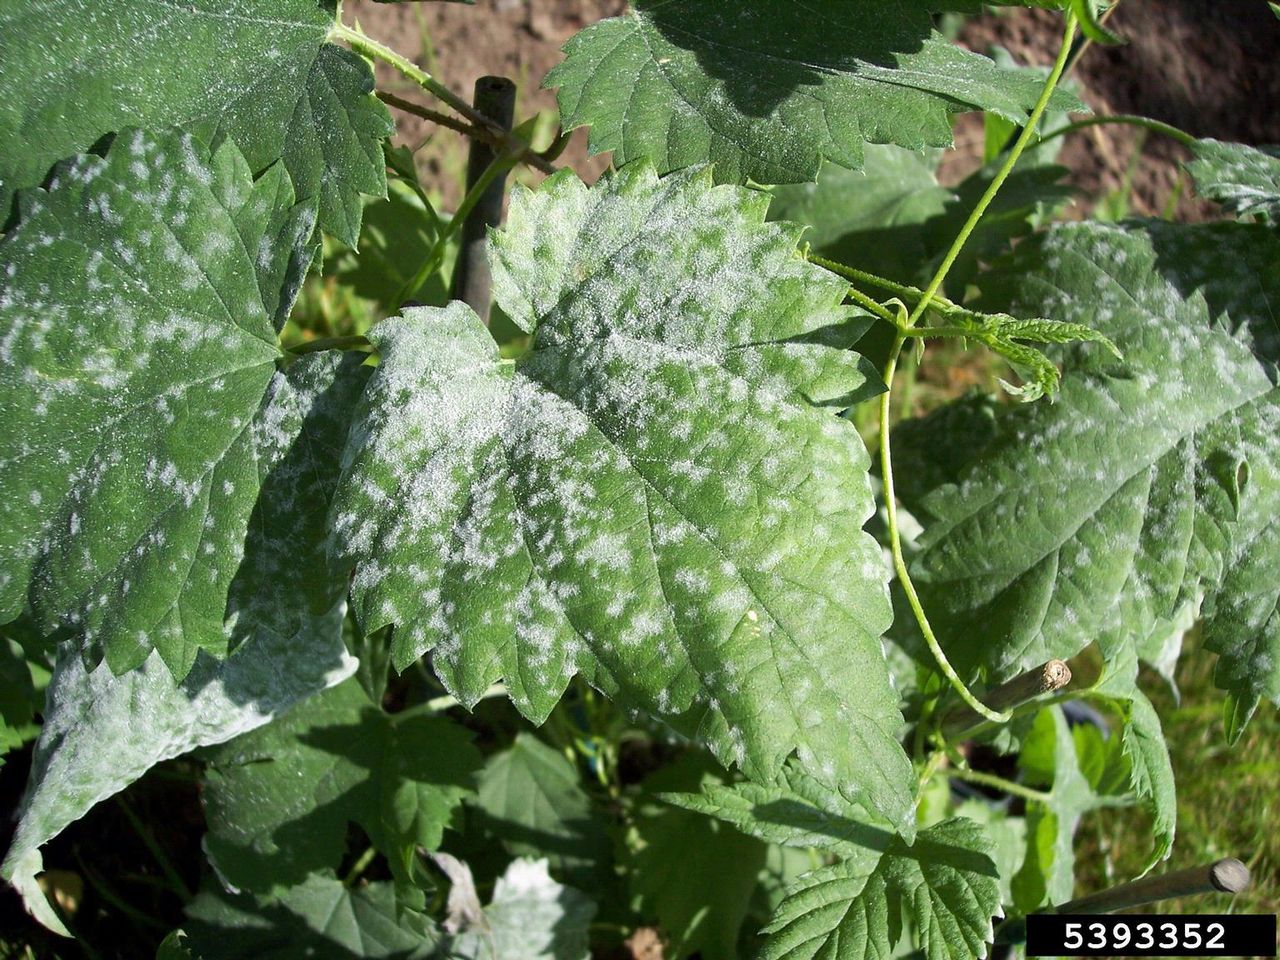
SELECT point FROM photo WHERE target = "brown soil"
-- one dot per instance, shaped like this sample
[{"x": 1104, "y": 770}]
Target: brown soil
[
  {"x": 519, "y": 39},
  {"x": 1207, "y": 67},
  {"x": 1212, "y": 69}
]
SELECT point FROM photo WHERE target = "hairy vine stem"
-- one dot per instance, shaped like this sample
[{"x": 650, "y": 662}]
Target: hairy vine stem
[
  {"x": 905, "y": 329},
  {"x": 1027, "y": 135},
  {"x": 895, "y": 548},
  {"x": 863, "y": 276},
  {"x": 993, "y": 782},
  {"x": 1146, "y": 123}
]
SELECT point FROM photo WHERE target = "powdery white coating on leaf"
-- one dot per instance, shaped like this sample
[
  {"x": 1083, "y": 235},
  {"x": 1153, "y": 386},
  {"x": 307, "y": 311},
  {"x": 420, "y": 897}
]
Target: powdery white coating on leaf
[
  {"x": 257, "y": 71},
  {"x": 531, "y": 917},
  {"x": 648, "y": 498},
  {"x": 102, "y": 732},
  {"x": 137, "y": 374},
  {"x": 1244, "y": 179},
  {"x": 1106, "y": 513},
  {"x": 766, "y": 89}
]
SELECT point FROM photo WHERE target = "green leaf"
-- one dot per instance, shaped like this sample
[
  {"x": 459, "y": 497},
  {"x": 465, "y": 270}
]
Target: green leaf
[
  {"x": 1087, "y": 13},
  {"x": 320, "y": 917},
  {"x": 258, "y": 71},
  {"x": 1153, "y": 483},
  {"x": 140, "y": 381},
  {"x": 651, "y": 496},
  {"x": 945, "y": 882},
  {"x": 874, "y": 217},
  {"x": 278, "y": 800},
  {"x": 794, "y": 811},
  {"x": 892, "y": 217},
  {"x": 529, "y": 798},
  {"x": 1008, "y": 839},
  {"x": 1244, "y": 179},
  {"x": 698, "y": 900},
  {"x": 531, "y": 917},
  {"x": 147, "y": 717},
  {"x": 285, "y": 653},
  {"x": 766, "y": 89},
  {"x": 1150, "y": 770},
  {"x": 1049, "y": 759},
  {"x": 399, "y": 235}
]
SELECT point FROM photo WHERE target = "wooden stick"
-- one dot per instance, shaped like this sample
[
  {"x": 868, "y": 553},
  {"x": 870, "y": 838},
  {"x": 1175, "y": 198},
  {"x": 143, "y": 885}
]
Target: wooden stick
[
  {"x": 495, "y": 97},
  {"x": 1050, "y": 676},
  {"x": 1221, "y": 876}
]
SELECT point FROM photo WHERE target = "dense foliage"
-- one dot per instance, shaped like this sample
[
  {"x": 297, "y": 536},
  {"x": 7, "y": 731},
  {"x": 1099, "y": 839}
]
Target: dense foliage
[{"x": 510, "y": 640}]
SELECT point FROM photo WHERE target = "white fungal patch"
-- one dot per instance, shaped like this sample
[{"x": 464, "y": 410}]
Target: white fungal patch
[
  {"x": 136, "y": 353},
  {"x": 638, "y": 496}
]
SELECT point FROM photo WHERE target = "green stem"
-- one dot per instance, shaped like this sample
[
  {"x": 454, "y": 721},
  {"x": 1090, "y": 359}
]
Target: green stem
[
  {"x": 498, "y": 168},
  {"x": 328, "y": 343},
  {"x": 873, "y": 305},
  {"x": 904, "y": 290},
  {"x": 1024, "y": 139},
  {"x": 360, "y": 866},
  {"x": 930, "y": 767},
  {"x": 997, "y": 783},
  {"x": 943, "y": 332},
  {"x": 927, "y": 297},
  {"x": 176, "y": 883},
  {"x": 436, "y": 704},
  {"x": 895, "y": 546},
  {"x": 371, "y": 48},
  {"x": 1168, "y": 130}
]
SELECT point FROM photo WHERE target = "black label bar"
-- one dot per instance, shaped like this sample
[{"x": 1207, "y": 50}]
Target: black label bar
[{"x": 1150, "y": 935}]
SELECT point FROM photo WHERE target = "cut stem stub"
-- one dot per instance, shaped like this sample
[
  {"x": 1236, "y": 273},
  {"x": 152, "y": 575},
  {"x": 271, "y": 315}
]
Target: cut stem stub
[{"x": 1046, "y": 678}]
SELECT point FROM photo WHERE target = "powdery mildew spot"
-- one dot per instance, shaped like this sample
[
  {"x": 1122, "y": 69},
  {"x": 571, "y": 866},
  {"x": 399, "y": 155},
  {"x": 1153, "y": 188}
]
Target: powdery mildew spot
[{"x": 648, "y": 497}]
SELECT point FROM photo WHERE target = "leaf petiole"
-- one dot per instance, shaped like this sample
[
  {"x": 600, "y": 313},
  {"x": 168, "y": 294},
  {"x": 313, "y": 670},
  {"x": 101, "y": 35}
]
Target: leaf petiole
[
  {"x": 1146, "y": 123},
  {"x": 862, "y": 276},
  {"x": 993, "y": 782},
  {"x": 927, "y": 298},
  {"x": 365, "y": 45}
]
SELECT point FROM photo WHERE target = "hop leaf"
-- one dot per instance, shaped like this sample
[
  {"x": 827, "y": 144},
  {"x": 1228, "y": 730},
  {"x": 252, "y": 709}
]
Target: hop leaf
[
  {"x": 650, "y": 496},
  {"x": 854, "y": 908},
  {"x": 258, "y": 71},
  {"x": 765, "y": 89},
  {"x": 142, "y": 295},
  {"x": 1244, "y": 179},
  {"x": 1151, "y": 487}
]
